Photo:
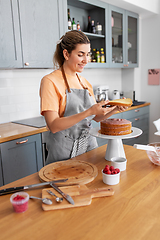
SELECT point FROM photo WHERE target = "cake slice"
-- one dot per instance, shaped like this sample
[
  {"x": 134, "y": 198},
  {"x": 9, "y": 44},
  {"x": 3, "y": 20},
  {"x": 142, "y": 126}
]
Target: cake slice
[{"x": 121, "y": 102}]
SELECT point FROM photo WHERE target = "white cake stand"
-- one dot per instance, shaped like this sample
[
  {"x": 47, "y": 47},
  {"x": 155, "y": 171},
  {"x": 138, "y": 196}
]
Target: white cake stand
[{"x": 115, "y": 146}]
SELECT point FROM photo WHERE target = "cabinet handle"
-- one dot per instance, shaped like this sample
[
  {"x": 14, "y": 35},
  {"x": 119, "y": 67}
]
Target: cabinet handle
[
  {"x": 27, "y": 64},
  {"x": 136, "y": 110},
  {"x": 136, "y": 119},
  {"x": 22, "y": 142}
]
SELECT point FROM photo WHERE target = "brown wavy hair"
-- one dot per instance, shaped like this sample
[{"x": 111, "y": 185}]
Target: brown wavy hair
[{"x": 69, "y": 42}]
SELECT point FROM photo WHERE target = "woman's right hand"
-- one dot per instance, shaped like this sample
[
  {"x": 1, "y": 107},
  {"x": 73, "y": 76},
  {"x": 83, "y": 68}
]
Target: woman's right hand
[{"x": 98, "y": 109}]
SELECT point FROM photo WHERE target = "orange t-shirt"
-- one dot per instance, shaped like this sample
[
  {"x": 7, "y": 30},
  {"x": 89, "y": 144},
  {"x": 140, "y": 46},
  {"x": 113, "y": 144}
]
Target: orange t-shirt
[{"x": 53, "y": 91}]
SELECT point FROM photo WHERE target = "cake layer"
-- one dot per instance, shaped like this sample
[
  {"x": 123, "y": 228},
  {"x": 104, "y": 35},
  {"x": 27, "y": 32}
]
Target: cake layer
[{"x": 116, "y": 126}]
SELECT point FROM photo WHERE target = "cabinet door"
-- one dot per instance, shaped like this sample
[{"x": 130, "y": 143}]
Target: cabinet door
[
  {"x": 132, "y": 27},
  {"x": 21, "y": 157},
  {"x": 1, "y": 172},
  {"x": 124, "y": 38},
  {"x": 39, "y": 32},
  {"x": 10, "y": 44},
  {"x": 117, "y": 57}
]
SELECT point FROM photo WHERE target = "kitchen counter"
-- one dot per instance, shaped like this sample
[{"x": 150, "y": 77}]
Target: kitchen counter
[
  {"x": 131, "y": 213},
  {"x": 10, "y": 131}
]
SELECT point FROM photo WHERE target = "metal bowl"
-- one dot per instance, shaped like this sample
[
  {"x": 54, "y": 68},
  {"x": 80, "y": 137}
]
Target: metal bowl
[{"x": 154, "y": 158}]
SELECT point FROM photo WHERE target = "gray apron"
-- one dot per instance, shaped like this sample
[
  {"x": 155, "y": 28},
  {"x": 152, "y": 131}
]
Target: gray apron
[{"x": 76, "y": 140}]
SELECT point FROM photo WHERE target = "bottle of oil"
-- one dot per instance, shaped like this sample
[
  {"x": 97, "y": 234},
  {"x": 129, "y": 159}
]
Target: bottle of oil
[
  {"x": 93, "y": 56},
  {"x": 102, "y": 56},
  {"x": 98, "y": 58}
]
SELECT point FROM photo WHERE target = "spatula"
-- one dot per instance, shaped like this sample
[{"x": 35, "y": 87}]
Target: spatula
[{"x": 146, "y": 147}]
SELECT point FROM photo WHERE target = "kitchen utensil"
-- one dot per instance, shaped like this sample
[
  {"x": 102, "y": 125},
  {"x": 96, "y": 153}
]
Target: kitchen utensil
[
  {"x": 77, "y": 172},
  {"x": 147, "y": 148},
  {"x": 14, "y": 189},
  {"x": 66, "y": 196},
  {"x": 101, "y": 93},
  {"x": 115, "y": 94},
  {"x": 81, "y": 195},
  {"x": 58, "y": 199},
  {"x": 115, "y": 145},
  {"x": 44, "y": 200}
]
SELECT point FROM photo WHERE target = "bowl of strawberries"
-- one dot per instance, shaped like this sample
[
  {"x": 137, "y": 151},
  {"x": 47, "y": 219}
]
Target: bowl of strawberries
[{"x": 111, "y": 175}]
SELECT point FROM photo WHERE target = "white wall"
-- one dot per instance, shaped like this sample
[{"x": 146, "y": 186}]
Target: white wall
[
  {"x": 19, "y": 90},
  {"x": 150, "y": 58}
]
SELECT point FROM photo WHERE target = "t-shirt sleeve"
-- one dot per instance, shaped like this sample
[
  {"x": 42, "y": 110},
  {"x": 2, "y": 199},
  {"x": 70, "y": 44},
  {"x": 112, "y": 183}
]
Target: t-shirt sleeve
[{"x": 49, "y": 96}]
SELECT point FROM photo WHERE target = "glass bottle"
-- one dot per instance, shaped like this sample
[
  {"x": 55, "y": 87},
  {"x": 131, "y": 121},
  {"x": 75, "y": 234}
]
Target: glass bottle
[
  {"x": 69, "y": 20},
  {"x": 98, "y": 28},
  {"x": 74, "y": 26},
  {"x": 93, "y": 57},
  {"x": 78, "y": 26},
  {"x": 89, "y": 24},
  {"x": 102, "y": 56},
  {"x": 98, "y": 59},
  {"x": 93, "y": 29}
]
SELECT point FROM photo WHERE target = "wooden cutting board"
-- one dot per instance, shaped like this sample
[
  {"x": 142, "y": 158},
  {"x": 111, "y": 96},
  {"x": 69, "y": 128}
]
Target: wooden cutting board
[
  {"x": 77, "y": 172},
  {"x": 81, "y": 195}
]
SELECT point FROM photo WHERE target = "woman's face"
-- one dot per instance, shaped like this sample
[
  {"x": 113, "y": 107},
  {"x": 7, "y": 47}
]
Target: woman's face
[{"x": 78, "y": 58}]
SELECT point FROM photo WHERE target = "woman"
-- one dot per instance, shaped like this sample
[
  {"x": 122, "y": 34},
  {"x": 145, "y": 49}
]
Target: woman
[{"x": 67, "y": 101}]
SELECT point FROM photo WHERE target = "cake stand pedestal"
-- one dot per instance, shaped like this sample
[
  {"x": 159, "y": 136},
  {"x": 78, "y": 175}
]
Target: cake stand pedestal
[{"x": 115, "y": 146}]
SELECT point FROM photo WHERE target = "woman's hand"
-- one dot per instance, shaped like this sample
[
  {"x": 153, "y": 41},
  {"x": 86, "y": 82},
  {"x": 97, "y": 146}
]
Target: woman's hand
[
  {"x": 105, "y": 112},
  {"x": 100, "y": 109}
]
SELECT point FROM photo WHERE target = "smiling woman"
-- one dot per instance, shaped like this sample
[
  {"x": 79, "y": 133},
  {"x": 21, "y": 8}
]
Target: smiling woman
[{"x": 67, "y": 100}]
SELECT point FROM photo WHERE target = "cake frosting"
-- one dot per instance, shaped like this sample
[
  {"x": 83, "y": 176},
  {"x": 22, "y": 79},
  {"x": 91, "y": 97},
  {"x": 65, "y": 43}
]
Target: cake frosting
[{"x": 115, "y": 126}]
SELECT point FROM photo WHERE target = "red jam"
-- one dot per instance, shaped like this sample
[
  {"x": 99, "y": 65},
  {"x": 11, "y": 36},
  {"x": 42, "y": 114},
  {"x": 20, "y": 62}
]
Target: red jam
[{"x": 19, "y": 204}]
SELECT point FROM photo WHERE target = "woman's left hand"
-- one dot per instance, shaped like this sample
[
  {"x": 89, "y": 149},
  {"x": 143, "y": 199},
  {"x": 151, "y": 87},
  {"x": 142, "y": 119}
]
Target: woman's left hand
[{"x": 121, "y": 108}]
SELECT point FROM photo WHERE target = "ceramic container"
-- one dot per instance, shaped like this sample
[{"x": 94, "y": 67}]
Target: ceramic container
[
  {"x": 19, "y": 201},
  {"x": 111, "y": 179},
  {"x": 119, "y": 162}
]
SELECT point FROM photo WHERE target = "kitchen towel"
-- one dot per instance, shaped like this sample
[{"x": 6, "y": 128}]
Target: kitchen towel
[{"x": 157, "y": 124}]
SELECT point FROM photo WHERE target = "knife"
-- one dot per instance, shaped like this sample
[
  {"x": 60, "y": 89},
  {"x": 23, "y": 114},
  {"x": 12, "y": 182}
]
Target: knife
[
  {"x": 66, "y": 196},
  {"x": 14, "y": 189}
]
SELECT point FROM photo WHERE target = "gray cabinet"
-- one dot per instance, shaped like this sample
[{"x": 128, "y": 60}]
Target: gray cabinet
[
  {"x": 123, "y": 43},
  {"x": 139, "y": 118},
  {"x": 20, "y": 158},
  {"x": 10, "y": 42},
  {"x": 29, "y": 31}
]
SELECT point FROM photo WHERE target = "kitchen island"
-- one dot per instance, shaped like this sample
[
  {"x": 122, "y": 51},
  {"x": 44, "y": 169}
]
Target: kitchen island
[{"x": 131, "y": 213}]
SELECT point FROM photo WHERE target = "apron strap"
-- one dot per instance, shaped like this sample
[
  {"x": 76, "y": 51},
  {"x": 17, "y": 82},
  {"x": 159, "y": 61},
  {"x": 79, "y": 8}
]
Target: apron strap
[
  {"x": 65, "y": 79},
  {"x": 66, "y": 82},
  {"x": 82, "y": 84}
]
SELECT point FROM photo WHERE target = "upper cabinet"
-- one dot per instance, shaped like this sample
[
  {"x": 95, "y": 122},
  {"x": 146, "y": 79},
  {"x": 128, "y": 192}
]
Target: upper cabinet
[
  {"x": 80, "y": 10},
  {"x": 123, "y": 44},
  {"x": 10, "y": 42},
  {"x": 29, "y": 31}
]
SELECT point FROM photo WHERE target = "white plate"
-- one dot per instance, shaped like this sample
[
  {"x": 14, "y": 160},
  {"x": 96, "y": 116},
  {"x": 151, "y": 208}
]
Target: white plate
[{"x": 135, "y": 133}]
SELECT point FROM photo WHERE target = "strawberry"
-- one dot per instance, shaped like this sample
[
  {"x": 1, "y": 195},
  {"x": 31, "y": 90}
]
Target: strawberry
[{"x": 117, "y": 170}]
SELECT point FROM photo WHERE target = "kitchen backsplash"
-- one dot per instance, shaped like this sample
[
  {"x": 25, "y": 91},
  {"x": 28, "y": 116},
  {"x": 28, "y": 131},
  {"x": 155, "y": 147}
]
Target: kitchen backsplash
[{"x": 19, "y": 90}]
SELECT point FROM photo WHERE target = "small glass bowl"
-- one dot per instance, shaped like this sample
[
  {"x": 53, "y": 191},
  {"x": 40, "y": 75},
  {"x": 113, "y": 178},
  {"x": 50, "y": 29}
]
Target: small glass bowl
[{"x": 154, "y": 158}]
